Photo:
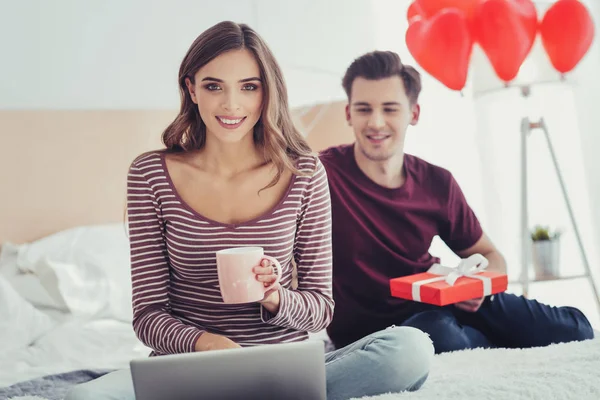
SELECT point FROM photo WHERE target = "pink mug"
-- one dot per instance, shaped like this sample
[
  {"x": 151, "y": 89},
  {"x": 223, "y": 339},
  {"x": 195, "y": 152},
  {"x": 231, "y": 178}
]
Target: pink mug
[{"x": 237, "y": 280}]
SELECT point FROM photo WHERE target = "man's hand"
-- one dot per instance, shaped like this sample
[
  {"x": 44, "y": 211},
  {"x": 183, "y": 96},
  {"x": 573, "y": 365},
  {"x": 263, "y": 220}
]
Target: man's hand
[
  {"x": 485, "y": 247},
  {"x": 209, "y": 341},
  {"x": 470, "y": 305}
]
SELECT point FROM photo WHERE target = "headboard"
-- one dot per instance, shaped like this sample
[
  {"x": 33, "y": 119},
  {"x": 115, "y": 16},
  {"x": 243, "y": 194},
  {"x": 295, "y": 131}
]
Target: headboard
[{"x": 61, "y": 169}]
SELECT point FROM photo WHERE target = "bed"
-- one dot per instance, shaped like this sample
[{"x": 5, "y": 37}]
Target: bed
[{"x": 65, "y": 312}]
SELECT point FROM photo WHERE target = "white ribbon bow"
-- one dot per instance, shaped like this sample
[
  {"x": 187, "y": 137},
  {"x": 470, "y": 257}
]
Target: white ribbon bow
[{"x": 468, "y": 267}]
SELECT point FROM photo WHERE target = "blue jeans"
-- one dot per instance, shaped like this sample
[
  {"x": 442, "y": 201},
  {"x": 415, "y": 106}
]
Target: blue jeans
[
  {"x": 504, "y": 320},
  {"x": 392, "y": 360}
]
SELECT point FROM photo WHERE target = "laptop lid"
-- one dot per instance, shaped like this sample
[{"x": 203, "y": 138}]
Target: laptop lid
[{"x": 278, "y": 371}]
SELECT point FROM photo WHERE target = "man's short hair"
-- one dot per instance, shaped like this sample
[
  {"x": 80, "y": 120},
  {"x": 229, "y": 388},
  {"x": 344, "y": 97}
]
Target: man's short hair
[{"x": 380, "y": 65}]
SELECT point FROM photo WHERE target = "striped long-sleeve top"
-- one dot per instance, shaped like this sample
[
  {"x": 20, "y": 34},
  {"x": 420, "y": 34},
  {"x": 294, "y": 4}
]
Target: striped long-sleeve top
[{"x": 176, "y": 294}]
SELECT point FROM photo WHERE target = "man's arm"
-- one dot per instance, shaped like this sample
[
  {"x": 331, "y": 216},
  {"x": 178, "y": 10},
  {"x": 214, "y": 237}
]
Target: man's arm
[
  {"x": 486, "y": 248},
  {"x": 461, "y": 229}
]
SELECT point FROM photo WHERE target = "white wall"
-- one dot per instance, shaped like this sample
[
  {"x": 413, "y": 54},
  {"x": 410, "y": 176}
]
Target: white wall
[
  {"x": 587, "y": 96},
  {"x": 125, "y": 54}
]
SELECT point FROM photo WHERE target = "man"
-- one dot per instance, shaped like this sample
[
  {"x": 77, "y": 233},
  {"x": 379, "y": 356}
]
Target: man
[{"x": 387, "y": 206}]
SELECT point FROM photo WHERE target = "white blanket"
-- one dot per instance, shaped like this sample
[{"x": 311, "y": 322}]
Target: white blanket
[
  {"x": 72, "y": 345},
  {"x": 558, "y": 372}
]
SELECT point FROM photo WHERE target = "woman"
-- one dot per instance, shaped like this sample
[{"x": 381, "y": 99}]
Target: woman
[{"x": 236, "y": 172}]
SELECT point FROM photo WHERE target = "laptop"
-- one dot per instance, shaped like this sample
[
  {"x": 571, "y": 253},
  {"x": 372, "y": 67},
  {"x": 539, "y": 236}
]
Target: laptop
[{"x": 275, "y": 371}]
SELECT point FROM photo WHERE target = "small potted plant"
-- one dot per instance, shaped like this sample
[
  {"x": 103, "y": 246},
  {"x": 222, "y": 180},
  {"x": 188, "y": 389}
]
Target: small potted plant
[{"x": 545, "y": 252}]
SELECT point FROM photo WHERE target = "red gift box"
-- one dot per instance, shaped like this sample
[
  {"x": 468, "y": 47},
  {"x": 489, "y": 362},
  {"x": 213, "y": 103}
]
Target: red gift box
[{"x": 452, "y": 285}]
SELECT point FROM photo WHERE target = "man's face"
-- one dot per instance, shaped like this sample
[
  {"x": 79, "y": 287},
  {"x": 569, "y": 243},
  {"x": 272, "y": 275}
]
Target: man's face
[{"x": 380, "y": 112}]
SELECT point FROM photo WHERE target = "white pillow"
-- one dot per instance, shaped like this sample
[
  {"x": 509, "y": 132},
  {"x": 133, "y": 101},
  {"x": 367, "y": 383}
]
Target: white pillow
[
  {"x": 28, "y": 285},
  {"x": 20, "y": 323},
  {"x": 85, "y": 269}
]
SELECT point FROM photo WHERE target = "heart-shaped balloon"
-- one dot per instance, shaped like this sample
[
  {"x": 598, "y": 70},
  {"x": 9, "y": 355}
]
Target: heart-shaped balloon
[
  {"x": 529, "y": 16},
  {"x": 567, "y": 32},
  {"x": 431, "y": 7},
  {"x": 442, "y": 46},
  {"x": 414, "y": 10},
  {"x": 505, "y": 30}
]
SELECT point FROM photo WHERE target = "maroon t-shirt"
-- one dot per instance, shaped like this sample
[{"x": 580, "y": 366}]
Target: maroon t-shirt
[{"x": 381, "y": 233}]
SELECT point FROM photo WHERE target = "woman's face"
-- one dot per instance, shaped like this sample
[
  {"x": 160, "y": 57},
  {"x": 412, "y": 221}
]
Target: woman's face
[{"x": 229, "y": 94}]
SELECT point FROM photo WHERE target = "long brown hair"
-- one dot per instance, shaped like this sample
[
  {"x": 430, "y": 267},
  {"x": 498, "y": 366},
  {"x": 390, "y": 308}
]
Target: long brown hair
[{"x": 274, "y": 132}]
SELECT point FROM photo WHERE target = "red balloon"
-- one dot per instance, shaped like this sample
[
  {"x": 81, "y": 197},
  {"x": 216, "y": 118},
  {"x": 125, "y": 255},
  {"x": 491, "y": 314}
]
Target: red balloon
[
  {"x": 505, "y": 30},
  {"x": 414, "y": 10},
  {"x": 567, "y": 32},
  {"x": 432, "y": 7},
  {"x": 442, "y": 46},
  {"x": 528, "y": 12}
]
